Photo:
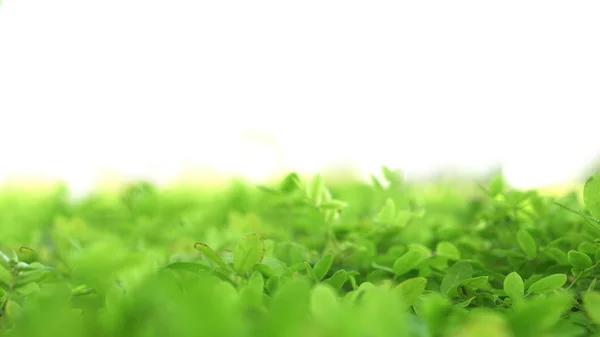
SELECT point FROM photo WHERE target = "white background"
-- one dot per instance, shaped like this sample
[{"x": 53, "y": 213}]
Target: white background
[{"x": 146, "y": 88}]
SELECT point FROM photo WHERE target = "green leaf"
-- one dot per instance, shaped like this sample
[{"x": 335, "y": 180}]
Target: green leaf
[
  {"x": 325, "y": 196},
  {"x": 337, "y": 280},
  {"x": 256, "y": 282},
  {"x": 403, "y": 216},
  {"x": 393, "y": 177},
  {"x": 592, "y": 285},
  {"x": 290, "y": 183},
  {"x": 272, "y": 284},
  {"x": 587, "y": 248},
  {"x": 558, "y": 255},
  {"x": 333, "y": 204},
  {"x": 447, "y": 249},
  {"x": 514, "y": 286},
  {"x": 408, "y": 261},
  {"x": 548, "y": 284},
  {"x": 248, "y": 253},
  {"x": 459, "y": 272},
  {"x": 30, "y": 276},
  {"x": 579, "y": 260},
  {"x": 310, "y": 272},
  {"x": 591, "y": 195},
  {"x": 480, "y": 282},
  {"x": 13, "y": 309},
  {"x": 496, "y": 185},
  {"x": 268, "y": 189},
  {"x": 539, "y": 314},
  {"x": 324, "y": 304},
  {"x": 409, "y": 290},
  {"x": 314, "y": 189},
  {"x": 387, "y": 213},
  {"x": 485, "y": 323},
  {"x": 591, "y": 304},
  {"x": 210, "y": 254},
  {"x": 28, "y": 288},
  {"x": 322, "y": 267},
  {"x": 265, "y": 269},
  {"x": 465, "y": 303},
  {"x": 331, "y": 215},
  {"x": 527, "y": 243},
  {"x": 5, "y": 278},
  {"x": 376, "y": 183}
]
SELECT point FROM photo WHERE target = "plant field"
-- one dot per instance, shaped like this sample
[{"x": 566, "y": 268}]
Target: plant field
[{"x": 302, "y": 258}]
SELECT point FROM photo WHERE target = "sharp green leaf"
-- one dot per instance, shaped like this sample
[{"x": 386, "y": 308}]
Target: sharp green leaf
[
  {"x": 514, "y": 286},
  {"x": 579, "y": 260},
  {"x": 548, "y": 284}
]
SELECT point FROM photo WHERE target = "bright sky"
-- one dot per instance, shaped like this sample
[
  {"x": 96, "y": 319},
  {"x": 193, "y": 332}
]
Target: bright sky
[{"x": 148, "y": 87}]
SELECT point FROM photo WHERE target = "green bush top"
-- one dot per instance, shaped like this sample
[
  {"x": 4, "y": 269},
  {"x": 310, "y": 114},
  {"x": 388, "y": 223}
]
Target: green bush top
[{"x": 302, "y": 258}]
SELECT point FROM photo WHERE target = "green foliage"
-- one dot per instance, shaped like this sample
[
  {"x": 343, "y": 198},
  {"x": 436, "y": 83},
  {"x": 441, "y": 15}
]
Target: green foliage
[
  {"x": 591, "y": 195},
  {"x": 302, "y": 258}
]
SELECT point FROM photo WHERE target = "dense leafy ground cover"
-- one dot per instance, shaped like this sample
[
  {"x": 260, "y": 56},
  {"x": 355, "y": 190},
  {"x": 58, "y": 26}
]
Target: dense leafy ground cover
[{"x": 302, "y": 258}]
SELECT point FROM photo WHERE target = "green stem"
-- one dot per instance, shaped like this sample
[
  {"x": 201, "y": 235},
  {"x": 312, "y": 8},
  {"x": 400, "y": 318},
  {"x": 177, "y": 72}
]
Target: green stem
[
  {"x": 15, "y": 277},
  {"x": 593, "y": 221},
  {"x": 575, "y": 280}
]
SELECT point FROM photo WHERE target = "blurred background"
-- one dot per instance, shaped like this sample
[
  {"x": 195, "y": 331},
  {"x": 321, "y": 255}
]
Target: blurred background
[{"x": 99, "y": 91}]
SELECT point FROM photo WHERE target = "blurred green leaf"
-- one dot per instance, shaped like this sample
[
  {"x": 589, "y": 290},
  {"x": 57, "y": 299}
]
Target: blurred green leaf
[
  {"x": 248, "y": 253},
  {"x": 591, "y": 195},
  {"x": 337, "y": 280},
  {"x": 210, "y": 254},
  {"x": 527, "y": 243},
  {"x": 409, "y": 290},
  {"x": 314, "y": 189},
  {"x": 322, "y": 266},
  {"x": 387, "y": 213},
  {"x": 447, "y": 249},
  {"x": 591, "y": 304},
  {"x": 459, "y": 272},
  {"x": 408, "y": 261}
]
